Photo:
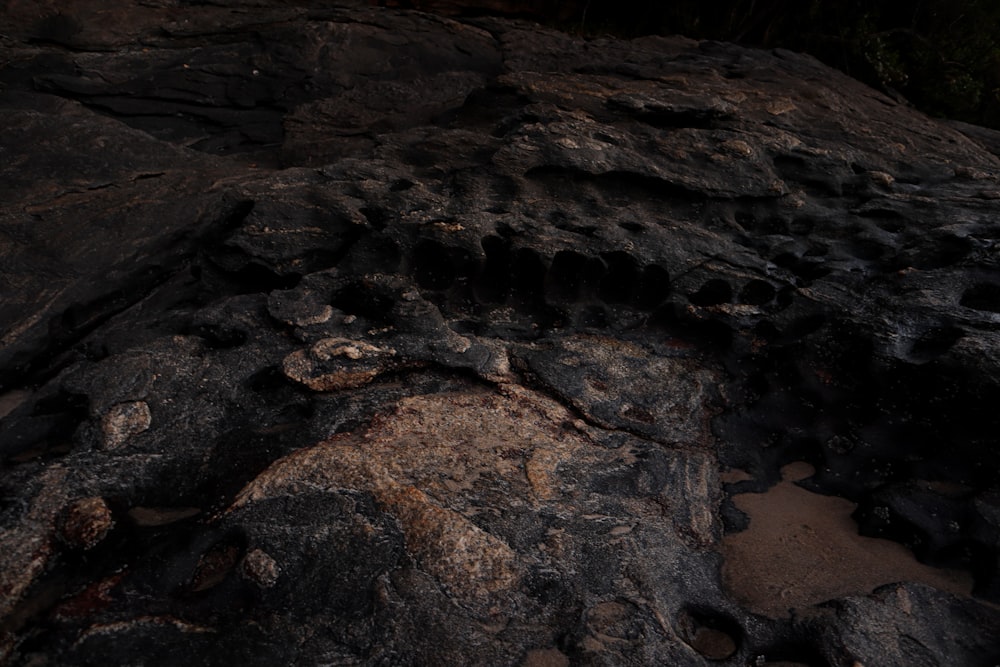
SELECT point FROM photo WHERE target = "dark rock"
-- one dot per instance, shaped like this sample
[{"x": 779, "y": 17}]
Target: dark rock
[{"x": 340, "y": 334}]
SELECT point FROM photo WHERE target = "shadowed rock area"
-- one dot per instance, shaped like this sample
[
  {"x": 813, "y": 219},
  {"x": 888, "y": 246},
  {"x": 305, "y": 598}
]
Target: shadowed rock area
[{"x": 335, "y": 334}]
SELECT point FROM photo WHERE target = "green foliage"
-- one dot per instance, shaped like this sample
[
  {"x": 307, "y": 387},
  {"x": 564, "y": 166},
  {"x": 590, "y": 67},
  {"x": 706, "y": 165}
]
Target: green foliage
[{"x": 942, "y": 55}]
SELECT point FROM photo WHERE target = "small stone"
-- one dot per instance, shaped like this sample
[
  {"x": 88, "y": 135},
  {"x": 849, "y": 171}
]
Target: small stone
[
  {"x": 738, "y": 147},
  {"x": 780, "y": 106},
  {"x": 85, "y": 523},
  {"x": 459, "y": 344},
  {"x": 881, "y": 178},
  {"x": 972, "y": 173},
  {"x": 260, "y": 568},
  {"x": 122, "y": 421}
]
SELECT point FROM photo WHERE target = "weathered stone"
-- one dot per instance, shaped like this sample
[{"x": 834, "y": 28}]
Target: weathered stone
[
  {"x": 261, "y": 568},
  {"x": 337, "y": 363},
  {"x": 124, "y": 421},
  {"x": 85, "y": 523},
  {"x": 394, "y": 339}
]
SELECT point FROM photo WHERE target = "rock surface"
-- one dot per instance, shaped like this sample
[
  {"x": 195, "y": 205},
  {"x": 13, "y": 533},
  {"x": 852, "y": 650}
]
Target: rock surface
[{"x": 335, "y": 334}]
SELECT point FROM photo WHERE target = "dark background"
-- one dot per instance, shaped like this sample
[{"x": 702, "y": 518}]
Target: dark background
[{"x": 943, "y": 56}]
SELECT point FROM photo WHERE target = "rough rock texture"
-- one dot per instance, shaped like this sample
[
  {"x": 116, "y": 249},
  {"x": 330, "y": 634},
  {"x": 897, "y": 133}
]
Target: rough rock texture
[{"x": 337, "y": 334}]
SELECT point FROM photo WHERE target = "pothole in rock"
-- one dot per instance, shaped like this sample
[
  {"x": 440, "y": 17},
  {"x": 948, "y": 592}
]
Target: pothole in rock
[
  {"x": 803, "y": 548},
  {"x": 713, "y": 635},
  {"x": 983, "y": 296}
]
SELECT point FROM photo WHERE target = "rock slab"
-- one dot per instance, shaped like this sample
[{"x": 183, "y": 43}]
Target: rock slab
[{"x": 336, "y": 334}]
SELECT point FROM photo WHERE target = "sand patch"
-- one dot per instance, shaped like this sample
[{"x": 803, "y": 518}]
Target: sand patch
[{"x": 803, "y": 548}]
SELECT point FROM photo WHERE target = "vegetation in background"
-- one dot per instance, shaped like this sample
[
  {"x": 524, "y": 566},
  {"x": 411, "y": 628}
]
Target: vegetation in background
[{"x": 941, "y": 55}]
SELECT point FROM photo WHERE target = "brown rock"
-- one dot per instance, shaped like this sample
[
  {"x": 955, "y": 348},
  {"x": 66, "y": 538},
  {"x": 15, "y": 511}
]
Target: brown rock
[
  {"x": 123, "y": 421},
  {"x": 333, "y": 364},
  {"x": 85, "y": 523},
  {"x": 260, "y": 568}
]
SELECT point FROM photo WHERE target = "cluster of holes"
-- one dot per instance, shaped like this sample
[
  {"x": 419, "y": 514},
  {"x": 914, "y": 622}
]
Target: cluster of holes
[{"x": 522, "y": 276}]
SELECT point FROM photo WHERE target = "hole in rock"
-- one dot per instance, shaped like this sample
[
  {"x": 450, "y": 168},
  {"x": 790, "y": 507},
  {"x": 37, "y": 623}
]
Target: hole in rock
[
  {"x": 362, "y": 299},
  {"x": 803, "y": 268},
  {"x": 984, "y": 296},
  {"x": 560, "y": 220},
  {"x": 268, "y": 379},
  {"x": 255, "y": 278},
  {"x": 566, "y": 275},
  {"x": 527, "y": 275},
  {"x": 714, "y": 635},
  {"x": 714, "y": 292},
  {"x": 867, "y": 249},
  {"x": 400, "y": 185},
  {"x": 494, "y": 282},
  {"x": 784, "y": 297},
  {"x": 891, "y": 226},
  {"x": 802, "y": 226},
  {"x": 791, "y": 654},
  {"x": 772, "y": 224},
  {"x": 61, "y": 402},
  {"x": 936, "y": 341},
  {"x": 79, "y": 318},
  {"x": 801, "y": 327},
  {"x": 220, "y": 337},
  {"x": 55, "y": 29},
  {"x": 766, "y": 331},
  {"x": 746, "y": 219},
  {"x": 653, "y": 287},
  {"x": 593, "y": 316},
  {"x": 377, "y": 217},
  {"x": 757, "y": 293},
  {"x": 622, "y": 275},
  {"x": 816, "y": 250},
  {"x": 372, "y": 254},
  {"x": 707, "y": 332},
  {"x": 631, "y": 226},
  {"x": 943, "y": 251},
  {"x": 433, "y": 266}
]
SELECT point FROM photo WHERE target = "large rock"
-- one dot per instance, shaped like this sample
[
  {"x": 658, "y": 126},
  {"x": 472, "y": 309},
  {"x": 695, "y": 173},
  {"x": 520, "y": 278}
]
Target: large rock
[{"x": 334, "y": 334}]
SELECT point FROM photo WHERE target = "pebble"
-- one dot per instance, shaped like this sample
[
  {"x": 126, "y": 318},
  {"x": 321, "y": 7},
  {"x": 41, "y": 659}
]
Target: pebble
[
  {"x": 260, "y": 568},
  {"x": 85, "y": 523},
  {"x": 123, "y": 421}
]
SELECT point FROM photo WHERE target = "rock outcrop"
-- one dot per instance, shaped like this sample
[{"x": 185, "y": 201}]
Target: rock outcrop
[{"x": 336, "y": 334}]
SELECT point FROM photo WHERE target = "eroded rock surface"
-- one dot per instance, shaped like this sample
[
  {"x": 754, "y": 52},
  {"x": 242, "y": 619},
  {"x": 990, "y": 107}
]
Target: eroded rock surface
[{"x": 335, "y": 334}]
